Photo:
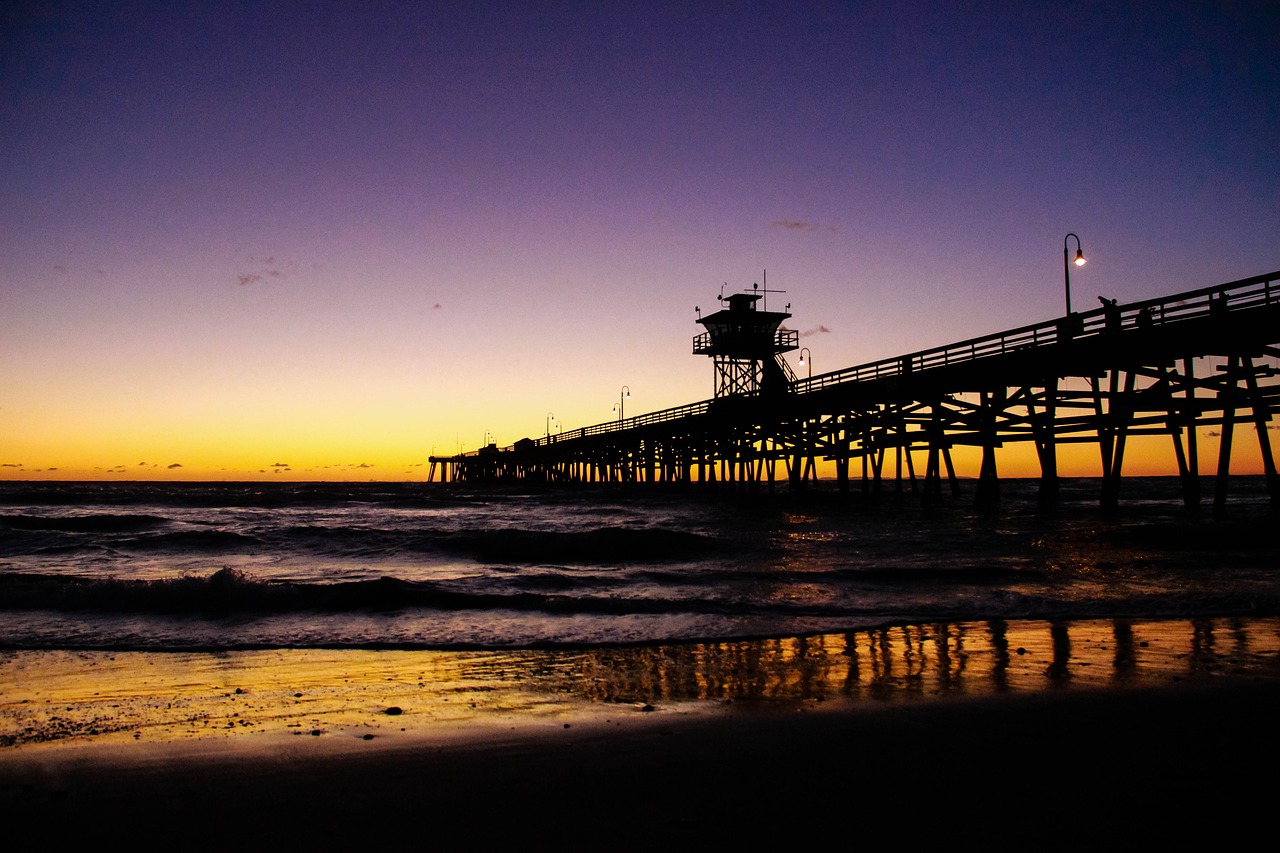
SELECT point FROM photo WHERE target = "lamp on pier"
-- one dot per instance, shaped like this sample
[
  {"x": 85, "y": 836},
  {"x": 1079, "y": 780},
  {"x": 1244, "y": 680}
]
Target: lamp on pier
[
  {"x": 806, "y": 359},
  {"x": 550, "y": 418},
  {"x": 1066, "y": 267},
  {"x": 623, "y": 396}
]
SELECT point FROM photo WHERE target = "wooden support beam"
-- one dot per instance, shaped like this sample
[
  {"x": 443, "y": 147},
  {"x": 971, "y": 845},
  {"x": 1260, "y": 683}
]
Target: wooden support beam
[
  {"x": 1182, "y": 429},
  {"x": 951, "y": 472},
  {"x": 988, "y": 492},
  {"x": 1118, "y": 405},
  {"x": 1261, "y": 418},
  {"x": 1045, "y": 428},
  {"x": 1193, "y": 435},
  {"x": 1106, "y": 439},
  {"x": 1227, "y": 398}
]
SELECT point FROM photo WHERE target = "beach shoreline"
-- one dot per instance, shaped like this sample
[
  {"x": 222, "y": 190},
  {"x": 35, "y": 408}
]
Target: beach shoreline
[
  {"x": 1167, "y": 735},
  {"x": 1056, "y": 771}
]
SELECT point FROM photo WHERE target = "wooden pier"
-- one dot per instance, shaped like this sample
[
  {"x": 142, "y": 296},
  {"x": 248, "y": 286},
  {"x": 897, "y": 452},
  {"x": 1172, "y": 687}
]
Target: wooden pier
[{"x": 1168, "y": 366}]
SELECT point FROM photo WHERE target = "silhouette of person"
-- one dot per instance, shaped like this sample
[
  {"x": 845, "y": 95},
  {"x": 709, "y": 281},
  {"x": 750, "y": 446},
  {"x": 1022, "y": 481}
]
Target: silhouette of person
[
  {"x": 1218, "y": 305},
  {"x": 1111, "y": 311},
  {"x": 1145, "y": 320}
]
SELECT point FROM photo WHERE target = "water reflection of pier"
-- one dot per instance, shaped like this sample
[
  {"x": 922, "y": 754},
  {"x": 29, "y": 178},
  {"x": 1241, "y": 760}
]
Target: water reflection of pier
[{"x": 905, "y": 662}]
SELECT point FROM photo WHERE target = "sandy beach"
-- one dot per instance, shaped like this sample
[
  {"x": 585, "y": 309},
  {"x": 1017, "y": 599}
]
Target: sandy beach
[{"x": 1018, "y": 734}]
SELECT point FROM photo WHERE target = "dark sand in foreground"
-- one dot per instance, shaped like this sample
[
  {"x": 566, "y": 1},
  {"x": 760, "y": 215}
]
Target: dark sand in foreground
[{"x": 1161, "y": 754}]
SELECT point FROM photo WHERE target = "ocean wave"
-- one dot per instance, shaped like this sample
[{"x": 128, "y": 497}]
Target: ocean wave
[
  {"x": 195, "y": 541},
  {"x": 231, "y": 495},
  {"x": 234, "y": 592},
  {"x": 97, "y": 523},
  {"x": 600, "y": 545},
  {"x": 898, "y": 576}
]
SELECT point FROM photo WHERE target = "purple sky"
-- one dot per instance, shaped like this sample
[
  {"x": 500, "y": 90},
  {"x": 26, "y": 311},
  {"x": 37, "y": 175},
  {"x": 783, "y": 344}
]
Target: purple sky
[{"x": 239, "y": 235}]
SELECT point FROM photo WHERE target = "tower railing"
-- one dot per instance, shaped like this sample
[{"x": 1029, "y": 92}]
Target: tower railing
[{"x": 784, "y": 340}]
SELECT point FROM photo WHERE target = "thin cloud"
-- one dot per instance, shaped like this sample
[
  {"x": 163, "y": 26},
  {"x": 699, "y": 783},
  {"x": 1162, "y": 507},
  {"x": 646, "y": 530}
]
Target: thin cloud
[
  {"x": 802, "y": 225},
  {"x": 175, "y": 465},
  {"x": 268, "y": 267},
  {"x": 11, "y": 465},
  {"x": 280, "y": 465},
  {"x": 816, "y": 330}
]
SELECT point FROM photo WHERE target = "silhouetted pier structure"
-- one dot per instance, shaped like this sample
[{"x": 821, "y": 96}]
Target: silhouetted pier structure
[{"x": 1167, "y": 366}]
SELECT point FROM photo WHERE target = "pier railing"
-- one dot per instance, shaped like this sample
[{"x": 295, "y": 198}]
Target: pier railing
[
  {"x": 1256, "y": 292},
  {"x": 1246, "y": 294}
]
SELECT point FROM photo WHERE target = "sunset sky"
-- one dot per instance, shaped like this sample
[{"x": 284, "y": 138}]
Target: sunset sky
[{"x": 322, "y": 240}]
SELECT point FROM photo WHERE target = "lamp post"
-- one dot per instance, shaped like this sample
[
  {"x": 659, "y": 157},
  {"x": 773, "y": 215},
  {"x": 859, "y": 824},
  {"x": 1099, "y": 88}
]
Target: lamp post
[
  {"x": 623, "y": 396},
  {"x": 1066, "y": 267},
  {"x": 806, "y": 362},
  {"x": 550, "y": 418}
]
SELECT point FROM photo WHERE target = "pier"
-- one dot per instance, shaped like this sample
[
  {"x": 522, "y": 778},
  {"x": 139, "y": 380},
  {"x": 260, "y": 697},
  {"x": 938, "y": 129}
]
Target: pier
[{"x": 1166, "y": 366}]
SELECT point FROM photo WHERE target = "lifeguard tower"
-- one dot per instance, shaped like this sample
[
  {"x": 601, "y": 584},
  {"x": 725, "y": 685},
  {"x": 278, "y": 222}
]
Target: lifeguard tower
[{"x": 747, "y": 344}]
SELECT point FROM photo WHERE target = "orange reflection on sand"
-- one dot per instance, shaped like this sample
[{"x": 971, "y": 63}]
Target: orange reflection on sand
[{"x": 62, "y": 696}]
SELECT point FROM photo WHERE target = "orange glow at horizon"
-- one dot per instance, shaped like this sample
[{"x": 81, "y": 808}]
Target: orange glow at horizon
[
  {"x": 385, "y": 428},
  {"x": 335, "y": 454}
]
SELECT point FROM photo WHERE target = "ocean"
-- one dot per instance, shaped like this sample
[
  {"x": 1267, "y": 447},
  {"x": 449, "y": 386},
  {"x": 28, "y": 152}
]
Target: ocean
[{"x": 223, "y": 566}]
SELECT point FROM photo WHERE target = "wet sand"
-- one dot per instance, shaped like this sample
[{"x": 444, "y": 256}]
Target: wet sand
[{"x": 1021, "y": 734}]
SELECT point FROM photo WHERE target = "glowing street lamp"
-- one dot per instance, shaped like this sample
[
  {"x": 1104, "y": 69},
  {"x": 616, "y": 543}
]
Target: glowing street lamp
[
  {"x": 623, "y": 396},
  {"x": 806, "y": 360},
  {"x": 1066, "y": 267}
]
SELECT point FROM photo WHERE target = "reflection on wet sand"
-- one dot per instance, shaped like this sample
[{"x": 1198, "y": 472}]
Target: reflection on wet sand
[
  {"x": 902, "y": 662},
  {"x": 62, "y": 695}
]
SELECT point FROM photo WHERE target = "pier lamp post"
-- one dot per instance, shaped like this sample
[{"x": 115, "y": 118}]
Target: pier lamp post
[
  {"x": 550, "y": 418},
  {"x": 806, "y": 360},
  {"x": 623, "y": 396},
  {"x": 1066, "y": 267}
]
